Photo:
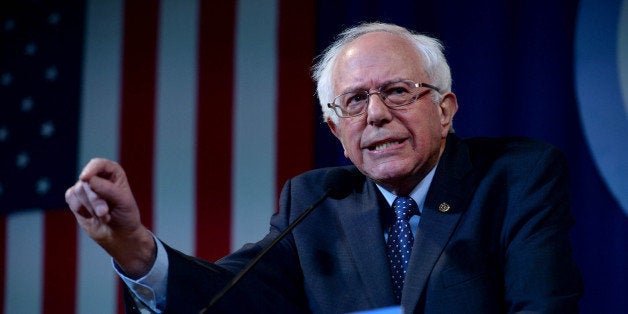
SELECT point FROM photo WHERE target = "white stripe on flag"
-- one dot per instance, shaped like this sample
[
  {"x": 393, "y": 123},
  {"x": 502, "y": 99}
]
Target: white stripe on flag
[
  {"x": 24, "y": 264},
  {"x": 99, "y": 125},
  {"x": 175, "y": 151},
  {"x": 255, "y": 120}
]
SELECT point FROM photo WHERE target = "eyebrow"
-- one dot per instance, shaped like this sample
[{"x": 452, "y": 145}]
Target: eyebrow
[{"x": 361, "y": 88}]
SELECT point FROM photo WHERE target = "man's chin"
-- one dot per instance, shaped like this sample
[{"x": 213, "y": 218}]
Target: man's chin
[{"x": 387, "y": 175}]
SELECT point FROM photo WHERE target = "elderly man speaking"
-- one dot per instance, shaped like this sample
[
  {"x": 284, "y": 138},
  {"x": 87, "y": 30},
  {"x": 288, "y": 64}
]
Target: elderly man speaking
[{"x": 427, "y": 220}]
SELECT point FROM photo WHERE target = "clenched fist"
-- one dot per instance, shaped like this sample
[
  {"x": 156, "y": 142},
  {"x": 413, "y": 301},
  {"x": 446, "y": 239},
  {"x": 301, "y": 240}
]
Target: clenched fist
[{"x": 105, "y": 208}]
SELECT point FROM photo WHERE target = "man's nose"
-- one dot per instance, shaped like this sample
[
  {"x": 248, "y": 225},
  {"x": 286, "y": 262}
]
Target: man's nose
[{"x": 377, "y": 112}]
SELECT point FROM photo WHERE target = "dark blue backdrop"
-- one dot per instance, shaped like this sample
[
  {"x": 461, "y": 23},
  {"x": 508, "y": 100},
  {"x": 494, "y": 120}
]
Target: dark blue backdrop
[{"x": 513, "y": 70}]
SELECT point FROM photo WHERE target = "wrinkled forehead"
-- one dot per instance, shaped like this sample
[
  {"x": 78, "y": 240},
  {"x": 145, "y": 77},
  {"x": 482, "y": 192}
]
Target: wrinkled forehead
[{"x": 374, "y": 59}]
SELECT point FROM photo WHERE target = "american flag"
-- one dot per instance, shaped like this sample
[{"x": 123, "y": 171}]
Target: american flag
[
  {"x": 39, "y": 90},
  {"x": 208, "y": 105}
]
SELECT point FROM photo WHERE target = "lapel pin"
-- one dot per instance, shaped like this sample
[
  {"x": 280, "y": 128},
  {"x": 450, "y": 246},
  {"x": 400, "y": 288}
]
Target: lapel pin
[{"x": 444, "y": 207}]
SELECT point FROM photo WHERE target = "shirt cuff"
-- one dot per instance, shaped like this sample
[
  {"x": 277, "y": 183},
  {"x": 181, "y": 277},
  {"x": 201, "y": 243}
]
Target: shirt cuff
[{"x": 152, "y": 288}]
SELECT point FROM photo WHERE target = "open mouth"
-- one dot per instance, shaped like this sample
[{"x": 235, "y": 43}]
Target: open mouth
[{"x": 383, "y": 145}]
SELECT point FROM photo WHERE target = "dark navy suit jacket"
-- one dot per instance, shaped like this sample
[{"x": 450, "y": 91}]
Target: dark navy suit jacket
[{"x": 493, "y": 238}]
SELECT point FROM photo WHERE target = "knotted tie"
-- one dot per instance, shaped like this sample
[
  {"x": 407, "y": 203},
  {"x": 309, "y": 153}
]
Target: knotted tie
[{"x": 400, "y": 242}]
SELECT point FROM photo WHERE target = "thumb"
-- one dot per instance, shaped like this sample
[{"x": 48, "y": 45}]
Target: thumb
[{"x": 99, "y": 204}]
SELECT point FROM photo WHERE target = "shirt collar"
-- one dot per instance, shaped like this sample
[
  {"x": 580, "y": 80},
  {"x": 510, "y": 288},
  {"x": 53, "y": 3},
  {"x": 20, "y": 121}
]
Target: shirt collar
[{"x": 418, "y": 194}]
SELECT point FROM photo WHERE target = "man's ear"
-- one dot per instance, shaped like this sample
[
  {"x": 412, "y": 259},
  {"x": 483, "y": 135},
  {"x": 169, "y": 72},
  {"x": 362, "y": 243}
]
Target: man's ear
[
  {"x": 448, "y": 107},
  {"x": 336, "y": 131},
  {"x": 333, "y": 127}
]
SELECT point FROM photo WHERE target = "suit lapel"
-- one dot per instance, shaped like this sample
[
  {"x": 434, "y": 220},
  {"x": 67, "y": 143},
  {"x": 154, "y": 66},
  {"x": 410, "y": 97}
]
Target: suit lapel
[
  {"x": 445, "y": 203},
  {"x": 360, "y": 219}
]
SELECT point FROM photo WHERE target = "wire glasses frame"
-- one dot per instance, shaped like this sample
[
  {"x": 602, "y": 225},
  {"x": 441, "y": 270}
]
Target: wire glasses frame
[{"x": 394, "y": 94}]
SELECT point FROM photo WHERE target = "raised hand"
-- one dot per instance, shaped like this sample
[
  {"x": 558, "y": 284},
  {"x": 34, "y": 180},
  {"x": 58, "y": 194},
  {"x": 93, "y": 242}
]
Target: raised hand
[{"x": 105, "y": 208}]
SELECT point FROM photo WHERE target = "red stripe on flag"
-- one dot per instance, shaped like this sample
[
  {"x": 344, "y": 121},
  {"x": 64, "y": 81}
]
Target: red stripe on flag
[
  {"x": 137, "y": 120},
  {"x": 214, "y": 120},
  {"x": 139, "y": 59},
  {"x": 60, "y": 261},
  {"x": 295, "y": 130}
]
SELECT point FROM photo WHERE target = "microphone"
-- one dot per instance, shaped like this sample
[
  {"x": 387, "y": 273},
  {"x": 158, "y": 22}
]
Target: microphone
[{"x": 338, "y": 183}]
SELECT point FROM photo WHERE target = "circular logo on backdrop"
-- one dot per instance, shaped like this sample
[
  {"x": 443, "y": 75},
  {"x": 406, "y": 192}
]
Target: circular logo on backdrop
[{"x": 601, "y": 54}]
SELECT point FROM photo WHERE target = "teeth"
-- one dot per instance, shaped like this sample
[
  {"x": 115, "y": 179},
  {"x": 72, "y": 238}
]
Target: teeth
[{"x": 384, "y": 145}]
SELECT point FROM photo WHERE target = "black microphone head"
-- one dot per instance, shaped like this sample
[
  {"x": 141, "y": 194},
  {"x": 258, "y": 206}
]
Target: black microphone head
[{"x": 338, "y": 182}]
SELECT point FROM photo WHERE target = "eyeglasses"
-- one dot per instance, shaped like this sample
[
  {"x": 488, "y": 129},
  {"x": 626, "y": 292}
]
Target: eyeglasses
[{"x": 394, "y": 94}]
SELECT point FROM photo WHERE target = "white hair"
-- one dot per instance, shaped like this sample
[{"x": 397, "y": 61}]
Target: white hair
[{"x": 430, "y": 49}]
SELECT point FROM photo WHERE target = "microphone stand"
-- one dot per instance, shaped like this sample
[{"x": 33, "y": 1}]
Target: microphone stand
[{"x": 257, "y": 258}]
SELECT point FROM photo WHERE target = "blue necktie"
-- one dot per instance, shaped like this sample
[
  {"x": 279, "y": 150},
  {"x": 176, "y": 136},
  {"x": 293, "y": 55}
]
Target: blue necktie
[{"x": 400, "y": 242}]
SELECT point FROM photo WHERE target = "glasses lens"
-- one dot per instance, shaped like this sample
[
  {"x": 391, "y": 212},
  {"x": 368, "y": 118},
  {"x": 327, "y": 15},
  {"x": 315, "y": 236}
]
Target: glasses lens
[
  {"x": 351, "y": 104},
  {"x": 400, "y": 93}
]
